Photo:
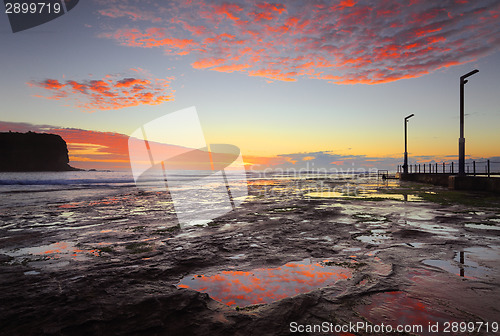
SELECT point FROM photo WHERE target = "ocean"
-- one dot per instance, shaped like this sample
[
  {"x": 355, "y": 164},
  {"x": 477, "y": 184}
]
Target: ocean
[
  {"x": 34, "y": 189},
  {"x": 62, "y": 200}
]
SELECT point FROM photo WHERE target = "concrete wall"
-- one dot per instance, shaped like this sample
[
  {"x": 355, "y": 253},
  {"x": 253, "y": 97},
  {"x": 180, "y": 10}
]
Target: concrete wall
[
  {"x": 474, "y": 183},
  {"x": 436, "y": 179},
  {"x": 456, "y": 182}
]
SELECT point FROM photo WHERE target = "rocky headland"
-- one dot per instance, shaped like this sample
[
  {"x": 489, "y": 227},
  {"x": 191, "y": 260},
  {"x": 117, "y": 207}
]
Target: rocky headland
[{"x": 23, "y": 152}]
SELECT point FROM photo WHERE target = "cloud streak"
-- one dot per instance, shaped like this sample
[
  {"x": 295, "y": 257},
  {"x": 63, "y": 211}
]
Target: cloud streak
[
  {"x": 87, "y": 149},
  {"x": 109, "y": 93},
  {"x": 109, "y": 150},
  {"x": 342, "y": 42}
]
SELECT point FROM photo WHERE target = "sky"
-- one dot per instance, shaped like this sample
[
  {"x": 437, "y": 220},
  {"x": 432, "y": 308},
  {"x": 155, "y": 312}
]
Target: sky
[{"x": 323, "y": 84}]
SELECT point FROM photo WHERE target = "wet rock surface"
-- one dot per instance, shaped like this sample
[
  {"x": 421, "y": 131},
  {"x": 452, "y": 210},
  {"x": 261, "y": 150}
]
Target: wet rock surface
[{"x": 111, "y": 266}]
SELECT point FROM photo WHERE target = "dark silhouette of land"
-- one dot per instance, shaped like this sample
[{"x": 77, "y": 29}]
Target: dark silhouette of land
[{"x": 24, "y": 152}]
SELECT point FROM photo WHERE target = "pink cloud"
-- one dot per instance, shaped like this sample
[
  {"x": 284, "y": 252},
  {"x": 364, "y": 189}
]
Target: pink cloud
[
  {"x": 126, "y": 82},
  {"x": 343, "y": 42},
  {"x": 150, "y": 38},
  {"x": 231, "y": 67},
  {"x": 229, "y": 10},
  {"x": 110, "y": 93},
  {"x": 207, "y": 63},
  {"x": 129, "y": 12}
]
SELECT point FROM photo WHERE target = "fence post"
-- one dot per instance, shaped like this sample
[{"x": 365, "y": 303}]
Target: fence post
[
  {"x": 488, "y": 168},
  {"x": 443, "y": 167},
  {"x": 452, "y": 167},
  {"x": 419, "y": 168},
  {"x": 474, "y": 167},
  {"x": 436, "y": 168}
]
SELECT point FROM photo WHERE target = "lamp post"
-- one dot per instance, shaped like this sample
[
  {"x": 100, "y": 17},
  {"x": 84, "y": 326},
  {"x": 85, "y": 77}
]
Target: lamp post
[
  {"x": 405, "y": 164},
  {"x": 461, "y": 140}
]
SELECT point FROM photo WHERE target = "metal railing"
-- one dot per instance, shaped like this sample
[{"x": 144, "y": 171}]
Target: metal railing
[{"x": 473, "y": 167}]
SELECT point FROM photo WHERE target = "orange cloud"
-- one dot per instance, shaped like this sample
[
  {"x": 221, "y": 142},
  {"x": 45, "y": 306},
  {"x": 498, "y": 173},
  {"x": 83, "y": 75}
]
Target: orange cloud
[
  {"x": 126, "y": 82},
  {"x": 109, "y": 93},
  {"x": 426, "y": 31},
  {"x": 77, "y": 87},
  {"x": 231, "y": 68},
  {"x": 260, "y": 162},
  {"x": 120, "y": 10},
  {"x": 207, "y": 63},
  {"x": 346, "y": 3},
  {"x": 274, "y": 74},
  {"x": 348, "y": 41},
  {"x": 229, "y": 10},
  {"x": 280, "y": 8},
  {"x": 51, "y": 84},
  {"x": 92, "y": 149},
  {"x": 152, "y": 37}
]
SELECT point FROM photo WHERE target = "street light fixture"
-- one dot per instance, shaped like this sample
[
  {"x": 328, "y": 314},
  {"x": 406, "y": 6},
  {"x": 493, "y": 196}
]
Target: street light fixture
[
  {"x": 405, "y": 164},
  {"x": 461, "y": 140}
]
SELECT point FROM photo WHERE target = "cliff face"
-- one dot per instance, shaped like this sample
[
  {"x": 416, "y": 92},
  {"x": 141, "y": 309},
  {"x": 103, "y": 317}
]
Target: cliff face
[{"x": 33, "y": 152}]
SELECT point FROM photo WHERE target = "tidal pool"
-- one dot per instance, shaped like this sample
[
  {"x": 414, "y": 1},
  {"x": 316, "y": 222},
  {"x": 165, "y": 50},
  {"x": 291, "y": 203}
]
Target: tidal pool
[
  {"x": 463, "y": 266},
  {"x": 377, "y": 237},
  {"x": 481, "y": 226},
  {"x": 59, "y": 250},
  {"x": 266, "y": 285},
  {"x": 362, "y": 195}
]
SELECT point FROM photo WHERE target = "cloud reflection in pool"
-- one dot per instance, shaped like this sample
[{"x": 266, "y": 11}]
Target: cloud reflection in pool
[{"x": 265, "y": 285}]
